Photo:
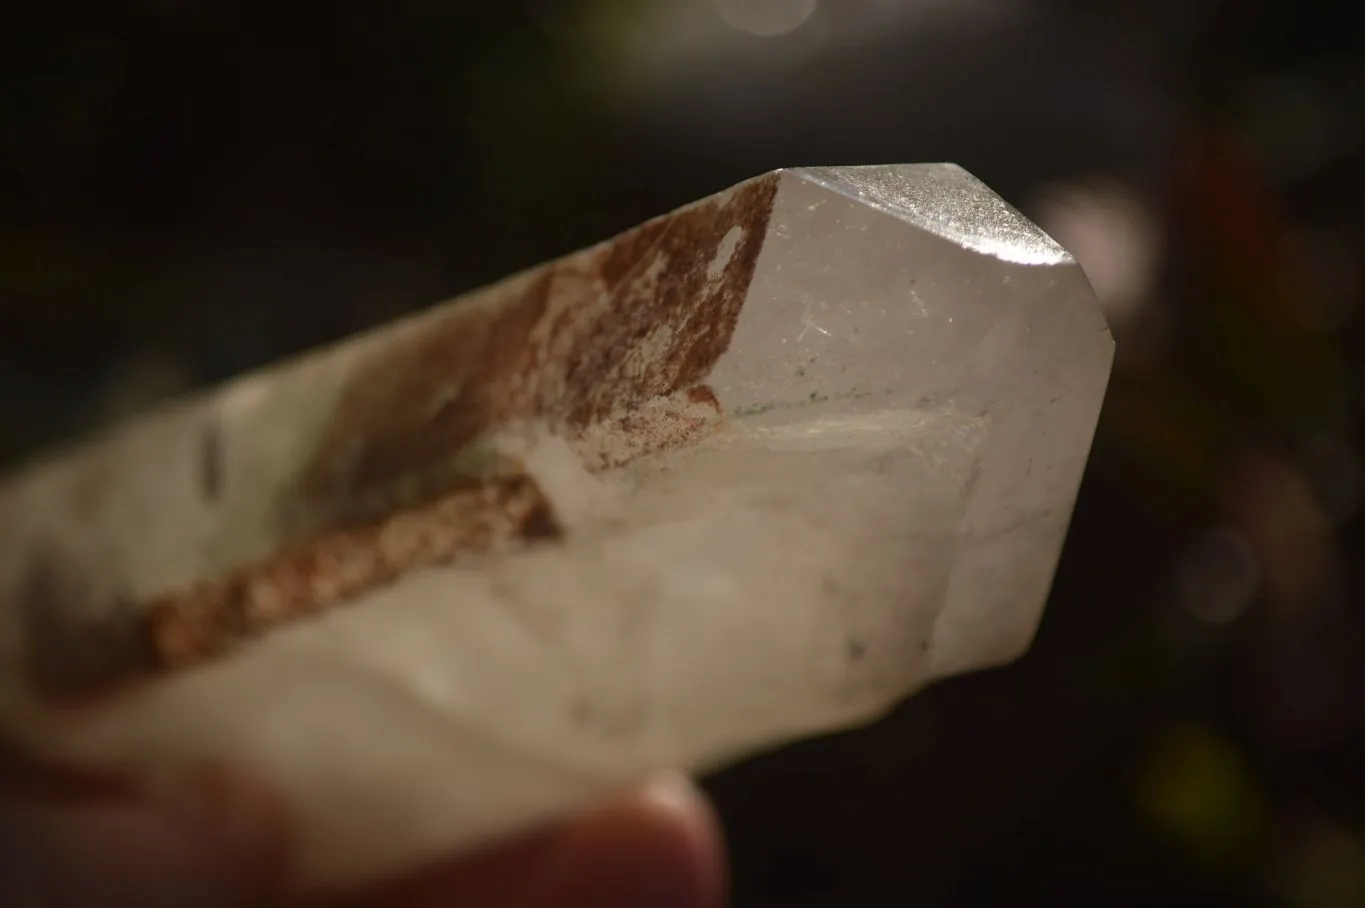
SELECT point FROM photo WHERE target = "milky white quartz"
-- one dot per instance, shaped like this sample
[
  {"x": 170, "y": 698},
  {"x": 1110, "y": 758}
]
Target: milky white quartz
[{"x": 910, "y": 391}]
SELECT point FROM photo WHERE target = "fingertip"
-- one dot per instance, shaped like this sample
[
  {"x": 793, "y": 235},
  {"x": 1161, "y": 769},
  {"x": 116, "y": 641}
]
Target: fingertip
[
  {"x": 660, "y": 847},
  {"x": 678, "y": 800}
]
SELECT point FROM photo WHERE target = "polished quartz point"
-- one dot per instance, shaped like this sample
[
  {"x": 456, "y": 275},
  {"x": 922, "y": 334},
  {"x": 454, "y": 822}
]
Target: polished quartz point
[{"x": 757, "y": 469}]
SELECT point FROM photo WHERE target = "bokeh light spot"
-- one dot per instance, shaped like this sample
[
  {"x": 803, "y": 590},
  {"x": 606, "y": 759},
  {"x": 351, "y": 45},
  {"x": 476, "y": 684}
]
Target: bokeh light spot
[
  {"x": 1217, "y": 577},
  {"x": 766, "y": 18}
]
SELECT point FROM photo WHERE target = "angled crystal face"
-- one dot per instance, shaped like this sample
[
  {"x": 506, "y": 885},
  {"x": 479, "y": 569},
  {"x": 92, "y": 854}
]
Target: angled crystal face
[
  {"x": 917, "y": 287},
  {"x": 756, "y": 469}
]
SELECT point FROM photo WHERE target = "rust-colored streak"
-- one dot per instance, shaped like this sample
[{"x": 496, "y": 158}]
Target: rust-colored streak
[
  {"x": 412, "y": 409},
  {"x": 701, "y": 394},
  {"x": 662, "y": 332},
  {"x": 609, "y": 349},
  {"x": 585, "y": 339},
  {"x": 74, "y": 662},
  {"x": 192, "y": 627}
]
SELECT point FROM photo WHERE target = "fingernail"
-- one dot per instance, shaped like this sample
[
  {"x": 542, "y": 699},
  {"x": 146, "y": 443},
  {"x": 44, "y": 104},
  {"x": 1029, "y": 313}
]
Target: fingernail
[{"x": 676, "y": 796}]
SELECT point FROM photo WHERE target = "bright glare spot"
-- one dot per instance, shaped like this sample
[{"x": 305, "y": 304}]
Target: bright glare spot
[
  {"x": 1217, "y": 578},
  {"x": 766, "y": 18}
]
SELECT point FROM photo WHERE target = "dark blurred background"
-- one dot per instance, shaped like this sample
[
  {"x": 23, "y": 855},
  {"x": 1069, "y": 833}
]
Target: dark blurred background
[{"x": 190, "y": 188}]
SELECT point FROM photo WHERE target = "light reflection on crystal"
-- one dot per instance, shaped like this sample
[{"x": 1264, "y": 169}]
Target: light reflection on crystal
[{"x": 950, "y": 203}]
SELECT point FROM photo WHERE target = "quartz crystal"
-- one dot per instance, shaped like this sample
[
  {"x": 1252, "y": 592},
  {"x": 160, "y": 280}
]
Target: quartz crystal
[{"x": 756, "y": 469}]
